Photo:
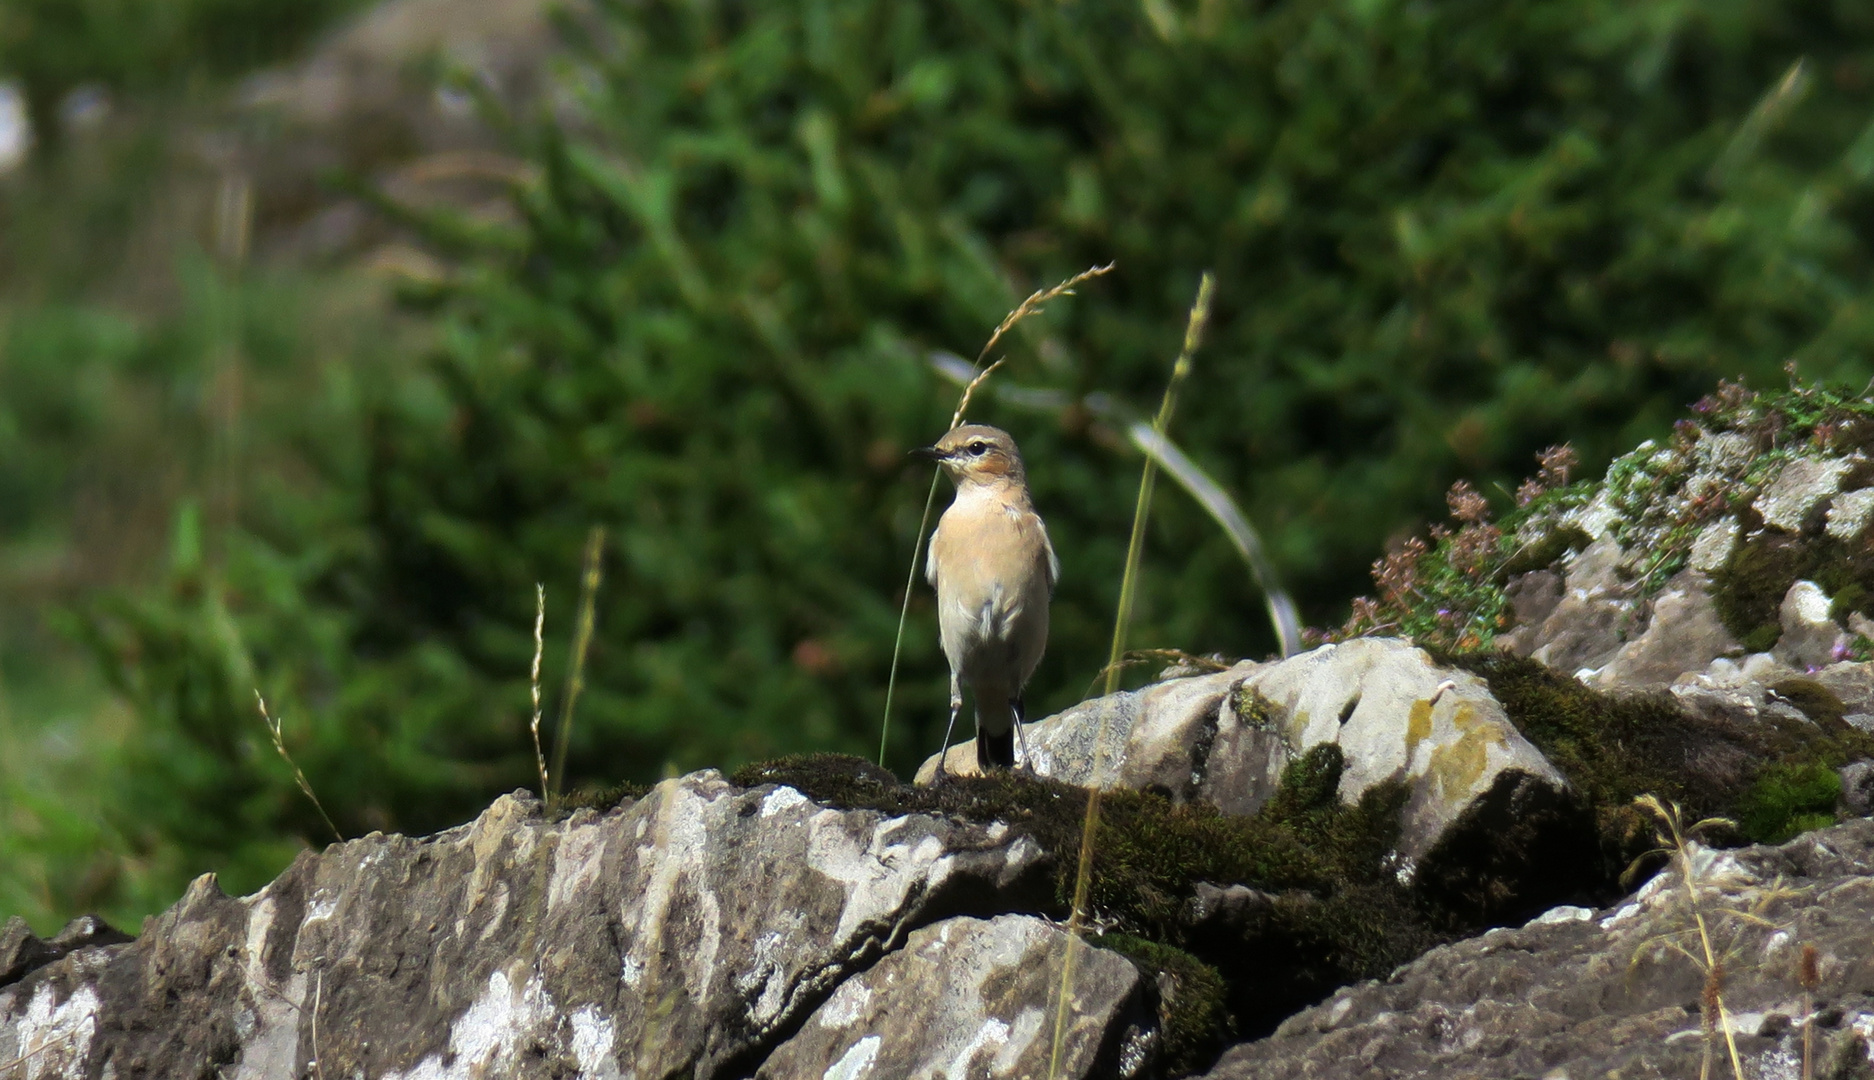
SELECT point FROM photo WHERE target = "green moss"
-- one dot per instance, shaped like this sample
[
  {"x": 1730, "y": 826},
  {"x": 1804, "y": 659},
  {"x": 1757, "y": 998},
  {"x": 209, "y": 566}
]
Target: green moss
[
  {"x": 1192, "y": 999},
  {"x": 1748, "y": 591},
  {"x": 1613, "y": 748},
  {"x": 1847, "y": 600},
  {"x": 1815, "y": 701},
  {"x": 1544, "y": 552},
  {"x": 1257, "y": 712},
  {"x": 598, "y": 797},
  {"x": 1788, "y": 799}
]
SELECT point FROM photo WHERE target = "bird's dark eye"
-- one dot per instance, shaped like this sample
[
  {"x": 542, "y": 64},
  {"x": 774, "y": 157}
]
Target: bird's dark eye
[{"x": 979, "y": 448}]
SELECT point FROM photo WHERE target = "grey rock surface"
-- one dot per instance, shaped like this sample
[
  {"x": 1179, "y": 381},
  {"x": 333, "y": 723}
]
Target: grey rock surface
[
  {"x": 1857, "y": 789},
  {"x": 971, "y": 998},
  {"x": 1594, "y": 617},
  {"x": 1683, "y": 634},
  {"x": 1183, "y": 737},
  {"x": 1713, "y": 547},
  {"x": 1810, "y": 636},
  {"x": 1852, "y": 682},
  {"x": 1225, "y": 738},
  {"x": 687, "y": 933},
  {"x": 1848, "y": 514},
  {"x": 1582, "y": 993},
  {"x": 1797, "y": 496},
  {"x": 22, "y": 951}
]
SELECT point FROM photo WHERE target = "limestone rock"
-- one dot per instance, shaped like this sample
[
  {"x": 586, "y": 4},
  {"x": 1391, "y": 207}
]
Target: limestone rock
[
  {"x": 1533, "y": 598},
  {"x": 1579, "y": 993},
  {"x": 1810, "y": 638},
  {"x": 1589, "y": 624},
  {"x": 1800, "y": 490},
  {"x": 1848, "y": 514},
  {"x": 687, "y": 933},
  {"x": 1712, "y": 549},
  {"x": 1853, "y": 683},
  {"x": 1683, "y": 634},
  {"x": 1226, "y": 737},
  {"x": 1857, "y": 789},
  {"x": 970, "y": 998},
  {"x": 22, "y": 951},
  {"x": 1182, "y": 737},
  {"x": 1737, "y": 691}
]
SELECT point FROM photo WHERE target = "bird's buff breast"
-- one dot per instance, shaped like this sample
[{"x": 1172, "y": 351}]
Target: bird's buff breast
[{"x": 992, "y": 580}]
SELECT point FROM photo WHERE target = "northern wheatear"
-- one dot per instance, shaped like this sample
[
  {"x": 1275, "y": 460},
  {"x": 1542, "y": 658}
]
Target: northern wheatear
[{"x": 994, "y": 572}]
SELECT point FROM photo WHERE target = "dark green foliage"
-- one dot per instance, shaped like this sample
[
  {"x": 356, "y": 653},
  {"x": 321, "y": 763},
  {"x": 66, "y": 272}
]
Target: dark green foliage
[
  {"x": 53, "y": 46},
  {"x": 1445, "y": 235},
  {"x": 1786, "y": 800},
  {"x": 1193, "y": 1016}
]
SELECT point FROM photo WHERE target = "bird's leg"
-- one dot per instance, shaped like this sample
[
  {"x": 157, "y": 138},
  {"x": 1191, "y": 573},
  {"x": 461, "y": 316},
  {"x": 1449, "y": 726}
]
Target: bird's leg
[
  {"x": 1021, "y": 741},
  {"x": 956, "y": 707}
]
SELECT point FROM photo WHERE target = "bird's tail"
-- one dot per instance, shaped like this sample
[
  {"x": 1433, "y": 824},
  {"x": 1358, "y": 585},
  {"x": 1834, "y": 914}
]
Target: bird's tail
[{"x": 995, "y": 731}]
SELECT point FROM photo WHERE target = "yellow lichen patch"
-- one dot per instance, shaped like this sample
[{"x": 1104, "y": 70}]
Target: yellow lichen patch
[
  {"x": 1418, "y": 727},
  {"x": 1458, "y": 767}
]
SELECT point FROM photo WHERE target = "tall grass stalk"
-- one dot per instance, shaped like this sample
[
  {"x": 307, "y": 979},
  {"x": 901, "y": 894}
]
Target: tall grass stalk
[
  {"x": 279, "y": 744},
  {"x": 540, "y": 627},
  {"x": 576, "y": 674},
  {"x": 1674, "y": 839},
  {"x": 1128, "y": 592},
  {"x": 1035, "y": 302}
]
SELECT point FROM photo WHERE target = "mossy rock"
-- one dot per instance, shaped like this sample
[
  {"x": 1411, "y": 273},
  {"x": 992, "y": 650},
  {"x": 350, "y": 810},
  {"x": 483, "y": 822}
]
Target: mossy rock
[
  {"x": 1341, "y": 912},
  {"x": 1194, "y": 1021},
  {"x": 596, "y": 797},
  {"x": 1545, "y": 552},
  {"x": 1767, "y": 775}
]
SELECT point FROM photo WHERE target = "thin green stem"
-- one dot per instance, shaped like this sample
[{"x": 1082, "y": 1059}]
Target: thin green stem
[
  {"x": 1128, "y": 590},
  {"x": 904, "y": 615},
  {"x": 582, "y": 641}
]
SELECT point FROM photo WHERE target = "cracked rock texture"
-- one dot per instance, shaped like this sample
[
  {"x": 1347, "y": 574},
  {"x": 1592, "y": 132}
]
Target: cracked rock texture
[
  {"x": 973, "y": 998},
  {"x": 688, "y": 933},
  {"x": 1580, "y": 993}
]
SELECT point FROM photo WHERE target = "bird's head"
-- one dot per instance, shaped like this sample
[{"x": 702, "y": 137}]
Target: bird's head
[{"x": 976, "y": 454}]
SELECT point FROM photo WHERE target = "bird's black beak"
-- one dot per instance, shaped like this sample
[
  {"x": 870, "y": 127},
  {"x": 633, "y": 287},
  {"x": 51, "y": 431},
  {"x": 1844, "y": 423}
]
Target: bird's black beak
[{"x": 928, "y": 453}]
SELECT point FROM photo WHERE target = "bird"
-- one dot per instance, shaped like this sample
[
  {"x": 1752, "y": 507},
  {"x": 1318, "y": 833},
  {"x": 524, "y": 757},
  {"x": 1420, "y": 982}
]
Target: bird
[{"x": 994, "y": 571}]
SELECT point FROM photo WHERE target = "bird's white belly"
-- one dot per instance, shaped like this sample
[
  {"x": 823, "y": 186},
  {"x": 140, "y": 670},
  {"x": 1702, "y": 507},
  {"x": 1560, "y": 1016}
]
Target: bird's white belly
[{"x": 994, "y": 637}]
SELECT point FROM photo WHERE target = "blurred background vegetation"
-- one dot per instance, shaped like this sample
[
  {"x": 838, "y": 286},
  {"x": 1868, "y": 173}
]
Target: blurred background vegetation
[{"x": 327, "y": 330}]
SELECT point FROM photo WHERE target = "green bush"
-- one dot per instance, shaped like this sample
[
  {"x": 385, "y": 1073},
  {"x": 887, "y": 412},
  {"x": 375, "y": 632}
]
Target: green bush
[{"x": 1445, "y": 236}]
